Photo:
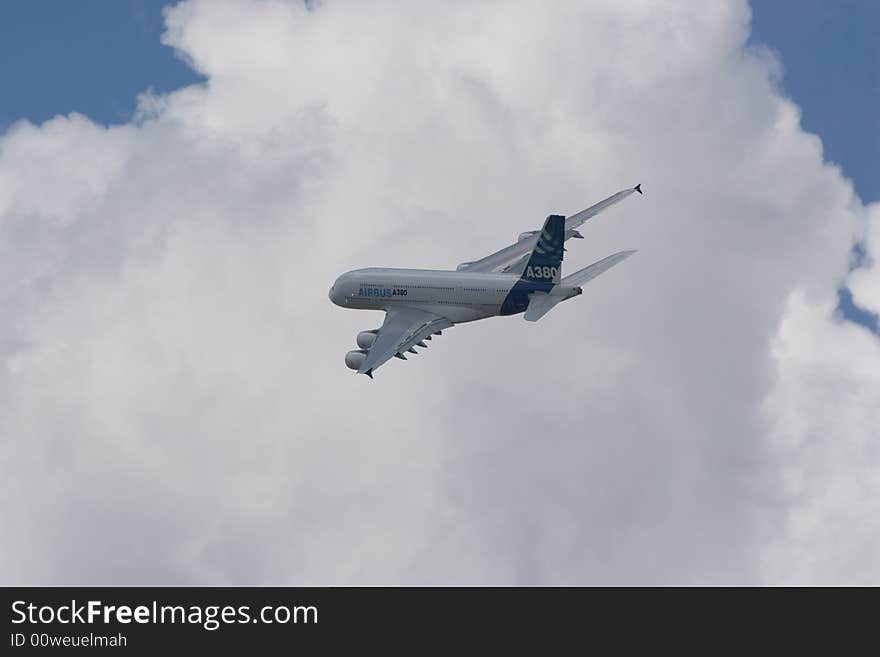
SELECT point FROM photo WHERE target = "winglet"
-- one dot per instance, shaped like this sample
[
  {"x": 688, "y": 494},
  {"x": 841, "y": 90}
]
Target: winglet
[{"x": 638, "y": 188}]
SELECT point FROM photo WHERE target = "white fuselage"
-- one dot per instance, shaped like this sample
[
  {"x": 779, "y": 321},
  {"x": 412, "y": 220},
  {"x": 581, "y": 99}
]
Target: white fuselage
[{"x": 458, "y": 295}]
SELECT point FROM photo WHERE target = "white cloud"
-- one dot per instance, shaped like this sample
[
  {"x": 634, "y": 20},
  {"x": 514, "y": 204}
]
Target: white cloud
[
  {"x": 864, "y": 282},
  {"x": 174, "y": 405},
  {"x": 825, "y": 416},
  {"x": 825, "y": 426}
]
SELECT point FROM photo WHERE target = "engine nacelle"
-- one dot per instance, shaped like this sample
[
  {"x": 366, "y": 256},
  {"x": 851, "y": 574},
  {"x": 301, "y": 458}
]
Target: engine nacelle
[
  {"x": 354, "y": 359},
  {"x": 526, "y": 235},
  {"x": 365, "y": 339}
]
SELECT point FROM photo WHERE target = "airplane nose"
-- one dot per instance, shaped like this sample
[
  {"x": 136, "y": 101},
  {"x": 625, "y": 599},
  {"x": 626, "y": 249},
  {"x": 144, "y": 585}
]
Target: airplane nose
[
  {"x": 339, "y": 290},
  {"x": 334, "y": 294}
]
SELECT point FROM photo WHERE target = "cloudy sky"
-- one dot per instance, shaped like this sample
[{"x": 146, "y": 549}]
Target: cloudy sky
[{"x": 173, "y": 404}]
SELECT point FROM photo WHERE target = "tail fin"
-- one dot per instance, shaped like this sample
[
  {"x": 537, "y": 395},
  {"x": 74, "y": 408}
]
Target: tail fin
[{"x": 545, "y": 263}]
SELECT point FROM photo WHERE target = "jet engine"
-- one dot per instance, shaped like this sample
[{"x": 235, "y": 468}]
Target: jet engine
[
  {"x": 354, "y": 359},
  {"x": 526, "y": 235},
  {"x": 365, "y": 339}
]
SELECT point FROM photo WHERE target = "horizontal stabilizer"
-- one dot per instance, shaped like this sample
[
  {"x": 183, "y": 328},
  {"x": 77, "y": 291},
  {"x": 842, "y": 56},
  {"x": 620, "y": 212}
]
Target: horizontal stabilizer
[
  {"x": 588, "y": 273},
  {"x": 540, "y": 303}
]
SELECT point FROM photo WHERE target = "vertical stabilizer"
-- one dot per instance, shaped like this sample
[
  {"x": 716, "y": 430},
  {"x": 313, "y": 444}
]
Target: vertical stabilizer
[{"x": 545, "y": 262}]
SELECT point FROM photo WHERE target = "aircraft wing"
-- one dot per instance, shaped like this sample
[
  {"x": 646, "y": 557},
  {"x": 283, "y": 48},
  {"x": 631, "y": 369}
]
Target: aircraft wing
[
  {"x": 512, "y": 259},
  {"x": 402, "y": 329}
]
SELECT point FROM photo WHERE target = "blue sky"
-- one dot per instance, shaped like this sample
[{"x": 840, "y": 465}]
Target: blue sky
[
  {"x": 88, "y": 56},
  {"x": 830, "y": 51},
  {"x": 95, "y": 56}
]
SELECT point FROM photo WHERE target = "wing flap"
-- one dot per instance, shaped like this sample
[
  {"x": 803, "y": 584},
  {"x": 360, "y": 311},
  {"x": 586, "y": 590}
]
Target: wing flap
[{"x": 402, "y": 329}]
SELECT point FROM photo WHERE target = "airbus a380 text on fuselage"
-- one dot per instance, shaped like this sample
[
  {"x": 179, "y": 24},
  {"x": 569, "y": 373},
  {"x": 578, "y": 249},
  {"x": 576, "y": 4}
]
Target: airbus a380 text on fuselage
[{"x": 420, "y": 303}]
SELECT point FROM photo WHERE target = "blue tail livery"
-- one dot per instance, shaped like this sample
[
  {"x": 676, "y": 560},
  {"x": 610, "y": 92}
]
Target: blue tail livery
[{"x": 545, "y": 263}]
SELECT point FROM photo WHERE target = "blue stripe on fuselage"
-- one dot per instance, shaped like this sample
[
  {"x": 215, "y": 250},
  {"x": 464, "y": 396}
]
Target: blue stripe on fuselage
[{"x": 517, "y": 300}]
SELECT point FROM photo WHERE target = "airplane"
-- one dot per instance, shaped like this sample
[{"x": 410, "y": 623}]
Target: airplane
[{"x": 525, "y": 277}]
